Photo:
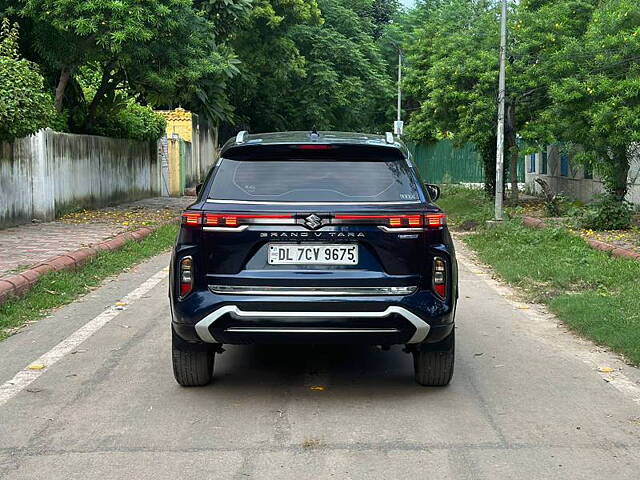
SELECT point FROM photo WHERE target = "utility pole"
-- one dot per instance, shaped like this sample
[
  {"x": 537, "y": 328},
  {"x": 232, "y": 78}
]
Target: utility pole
[
  {"x": 501, "y": 99},
  {"x": 398, "y": 125}
]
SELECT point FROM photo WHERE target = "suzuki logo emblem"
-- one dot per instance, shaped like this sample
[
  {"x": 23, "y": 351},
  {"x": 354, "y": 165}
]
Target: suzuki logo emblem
[{"x": 313, "y": 221}]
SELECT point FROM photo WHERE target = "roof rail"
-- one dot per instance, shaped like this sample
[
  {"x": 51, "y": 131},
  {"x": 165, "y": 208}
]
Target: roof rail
[
  {"x": 242, "y": 136},
  {"x": 389, "y": 137}
]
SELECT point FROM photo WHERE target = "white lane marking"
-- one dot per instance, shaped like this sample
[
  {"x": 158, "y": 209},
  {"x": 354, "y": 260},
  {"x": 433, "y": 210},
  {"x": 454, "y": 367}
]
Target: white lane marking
[
  {"x": 543, "y": 325},
  {"x": 25, "y": 377}
]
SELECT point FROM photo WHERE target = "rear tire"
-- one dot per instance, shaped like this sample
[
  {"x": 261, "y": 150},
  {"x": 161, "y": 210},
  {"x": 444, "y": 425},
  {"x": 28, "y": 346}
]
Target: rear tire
[
  {"x": 433, "y": 363},
  {"x": 191, "y": 368}
]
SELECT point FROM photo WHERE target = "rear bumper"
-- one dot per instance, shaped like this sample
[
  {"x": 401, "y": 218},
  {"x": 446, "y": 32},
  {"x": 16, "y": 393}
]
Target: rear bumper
[{"x": 206, "y": 317}]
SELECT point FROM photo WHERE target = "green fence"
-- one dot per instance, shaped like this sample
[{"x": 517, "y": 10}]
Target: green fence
[{"x": 442, "y": 162}]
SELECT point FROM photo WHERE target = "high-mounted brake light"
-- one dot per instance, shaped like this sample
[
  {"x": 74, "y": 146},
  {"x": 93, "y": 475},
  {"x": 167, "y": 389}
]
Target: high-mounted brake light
[
  {"x": 439, "y": 277},
  {"x": 312, "y": 146},
  {"x": 186, "y": 276}
]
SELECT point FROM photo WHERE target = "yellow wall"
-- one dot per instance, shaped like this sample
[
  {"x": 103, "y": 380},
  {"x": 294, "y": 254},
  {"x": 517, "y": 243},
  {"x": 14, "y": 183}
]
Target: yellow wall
[
  {"x": 175, "y": 187},
  {"x": 179, "y": 121}
]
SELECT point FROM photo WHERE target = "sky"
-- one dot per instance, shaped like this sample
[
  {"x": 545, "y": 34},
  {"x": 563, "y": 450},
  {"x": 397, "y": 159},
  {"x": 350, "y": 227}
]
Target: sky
[{"x": 408, "y": 3}]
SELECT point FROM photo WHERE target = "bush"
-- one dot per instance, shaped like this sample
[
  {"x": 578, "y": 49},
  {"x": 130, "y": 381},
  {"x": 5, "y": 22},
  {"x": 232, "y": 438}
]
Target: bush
[
  {"x": 557, "y": 206},
  {"x": 132, "y": 121},
  {"x": 25, "y": 108},
  {"x": 607, "y": 213}
]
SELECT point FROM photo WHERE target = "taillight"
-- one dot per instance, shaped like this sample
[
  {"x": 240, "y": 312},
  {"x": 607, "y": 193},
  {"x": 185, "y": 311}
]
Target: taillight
[
  {"x": 231, "y": 220},
  {"x": 435, "y": 220},
  {"x": 431, "y": 220},
  {"x": 186, "y": 276},
  {"x": 391, "y": 221},
  {"x": 234, "y": 220},
  {"x": 439, "y": 277},
  {"x": 192, "y": 219}
]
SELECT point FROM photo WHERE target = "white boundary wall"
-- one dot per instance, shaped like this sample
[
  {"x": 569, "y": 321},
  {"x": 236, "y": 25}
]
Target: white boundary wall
[{"x": 51, "y": 172}]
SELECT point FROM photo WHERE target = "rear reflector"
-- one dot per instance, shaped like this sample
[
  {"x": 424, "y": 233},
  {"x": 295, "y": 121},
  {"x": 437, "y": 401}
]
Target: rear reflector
[
  {"x": 439, "y": 277},
  {"x": 186, "y": 276}
]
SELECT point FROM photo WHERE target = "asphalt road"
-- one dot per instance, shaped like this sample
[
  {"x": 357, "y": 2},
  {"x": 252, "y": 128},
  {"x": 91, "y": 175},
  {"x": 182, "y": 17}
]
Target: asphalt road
[{"x": 527, "y": 401}]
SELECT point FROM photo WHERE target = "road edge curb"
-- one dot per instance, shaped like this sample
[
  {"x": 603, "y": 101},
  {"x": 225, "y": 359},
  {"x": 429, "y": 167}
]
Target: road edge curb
[{"x": 19, "y": 284}]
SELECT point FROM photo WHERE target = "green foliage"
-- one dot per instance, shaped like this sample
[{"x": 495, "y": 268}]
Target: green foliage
[
  {"x": 161, "y": 51},
  {"x": 607, "y": 213},
  {"x": 132, "y": 121},
  {"x": 307, "y": 64},
  {"x": 587, "y": 64},
  {"x": 294, "y": 63},
  {"x": 573, "y": 76},
  {"x": 556, "y": 206},
  {"x": 453, "y": 73},
  {"x": 466, "y": 208},
  {"x": 25, "y": 108}
]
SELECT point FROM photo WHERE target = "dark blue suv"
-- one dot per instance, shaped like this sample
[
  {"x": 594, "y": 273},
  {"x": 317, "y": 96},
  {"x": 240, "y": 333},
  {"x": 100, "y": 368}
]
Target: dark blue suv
[{"x": 321, "y": 237}]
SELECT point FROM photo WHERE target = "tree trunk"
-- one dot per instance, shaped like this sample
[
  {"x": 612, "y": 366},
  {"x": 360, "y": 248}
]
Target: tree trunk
[
  {"x": 65, "y": 74},
  {"x": 620, "y": 172},
  {"x": 512, "y": 148},
  {"x": 488, "y": 155},
  {"x": 107, "y": 84}
]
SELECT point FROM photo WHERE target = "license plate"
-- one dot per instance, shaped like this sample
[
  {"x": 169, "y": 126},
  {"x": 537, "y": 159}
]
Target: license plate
[{"x": 313, "y": 254}]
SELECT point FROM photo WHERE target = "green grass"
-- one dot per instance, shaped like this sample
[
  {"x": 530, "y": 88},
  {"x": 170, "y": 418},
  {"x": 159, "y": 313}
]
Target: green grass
[
  {"x": 59, "y": 288},
  {"x": 592, "y": 292},
  {"x": 465, "y": 207}
]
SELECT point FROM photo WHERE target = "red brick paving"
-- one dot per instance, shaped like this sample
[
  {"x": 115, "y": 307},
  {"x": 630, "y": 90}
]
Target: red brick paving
[{"x": 27, "y": 246}]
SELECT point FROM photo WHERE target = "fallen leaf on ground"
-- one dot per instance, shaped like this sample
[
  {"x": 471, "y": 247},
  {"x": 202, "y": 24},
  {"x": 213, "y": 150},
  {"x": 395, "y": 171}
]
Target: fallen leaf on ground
[
  {"x": 36, "y": 366},
  {"x": 605, "y": 369},
  {"x": 319, "y": 388}
]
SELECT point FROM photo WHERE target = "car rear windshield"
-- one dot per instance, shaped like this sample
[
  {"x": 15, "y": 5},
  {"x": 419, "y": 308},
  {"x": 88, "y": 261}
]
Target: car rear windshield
[{"x": 314, "y": 181}]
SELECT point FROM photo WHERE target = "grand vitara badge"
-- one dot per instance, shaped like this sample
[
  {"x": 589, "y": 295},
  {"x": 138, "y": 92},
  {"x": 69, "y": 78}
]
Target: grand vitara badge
[{"x": 313, "y": 221}]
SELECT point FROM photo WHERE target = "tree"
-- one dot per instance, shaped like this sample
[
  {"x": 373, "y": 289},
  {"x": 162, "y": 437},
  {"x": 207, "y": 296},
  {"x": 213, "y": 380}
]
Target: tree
[
  {"x": 162, "y": 51},
  {"x": 25, "y": 108},
  {"x": 313, "y": 64},
  {"x": 592, "y": 80},
  {"x": 453, "y": 73}
]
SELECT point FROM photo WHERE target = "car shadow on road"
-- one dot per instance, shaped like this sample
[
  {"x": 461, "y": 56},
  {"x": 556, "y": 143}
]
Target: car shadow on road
[{"x": 316, "y": 368}]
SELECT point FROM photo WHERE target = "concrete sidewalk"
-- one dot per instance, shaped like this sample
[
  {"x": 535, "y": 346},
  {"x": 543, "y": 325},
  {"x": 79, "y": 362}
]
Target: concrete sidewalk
[{"x": 25, "y": 246}]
